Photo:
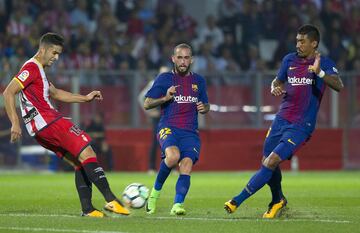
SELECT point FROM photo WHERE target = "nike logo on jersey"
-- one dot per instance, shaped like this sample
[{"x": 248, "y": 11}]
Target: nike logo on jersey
[
  {"x": 196, "y": 150},
  {"x": 292, "y": 67},
  {"x": 289, "y": 140}
]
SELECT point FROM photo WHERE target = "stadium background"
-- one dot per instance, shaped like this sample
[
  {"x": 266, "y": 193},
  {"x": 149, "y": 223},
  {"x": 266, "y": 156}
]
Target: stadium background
[{"x": 118, "y": 46}]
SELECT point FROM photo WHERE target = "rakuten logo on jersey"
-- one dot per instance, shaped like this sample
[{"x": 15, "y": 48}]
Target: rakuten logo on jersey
[
  {"x": 294, "y": 81},
  {"x": 180, "y": 99}
]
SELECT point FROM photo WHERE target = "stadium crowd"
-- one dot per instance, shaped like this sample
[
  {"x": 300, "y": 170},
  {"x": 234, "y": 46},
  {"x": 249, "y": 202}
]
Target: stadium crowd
[{"x": 140, "y": 34}]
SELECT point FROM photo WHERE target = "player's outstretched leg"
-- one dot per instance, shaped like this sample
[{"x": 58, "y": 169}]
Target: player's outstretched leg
[
  {"x": 96, "y": 175},
  {"x": 278, "y": 202},
  {"x": 256, "y": 182},
  {"x": 83, "y": 186},
  {"x": 163, "y": 174}
]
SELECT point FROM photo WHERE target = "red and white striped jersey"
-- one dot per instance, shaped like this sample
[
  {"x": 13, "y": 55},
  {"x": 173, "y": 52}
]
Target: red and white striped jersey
[{"x": 36, "y": 108}]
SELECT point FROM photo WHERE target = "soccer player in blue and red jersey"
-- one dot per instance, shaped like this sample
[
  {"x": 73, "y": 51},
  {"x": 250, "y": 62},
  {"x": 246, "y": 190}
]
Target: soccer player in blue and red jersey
[
  {"x": 181, "y": 95},
  {"x": 301, "y": 80}
]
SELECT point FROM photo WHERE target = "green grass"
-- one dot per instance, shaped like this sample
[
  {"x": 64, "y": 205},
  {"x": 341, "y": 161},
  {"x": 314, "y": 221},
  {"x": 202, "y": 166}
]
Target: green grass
[{"x": 318, "y": 202}]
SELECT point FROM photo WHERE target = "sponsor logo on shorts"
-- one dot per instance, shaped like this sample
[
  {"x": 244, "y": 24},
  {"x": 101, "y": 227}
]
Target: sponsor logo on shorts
[
  {"x": 289, "y": 140},
  {"x": 84, "y": 138}
]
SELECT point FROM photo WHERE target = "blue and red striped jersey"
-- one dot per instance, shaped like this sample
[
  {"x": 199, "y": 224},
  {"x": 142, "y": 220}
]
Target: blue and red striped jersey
[
  {"x": 181, "y": 112},
  {"x": 304, "y": 89}
]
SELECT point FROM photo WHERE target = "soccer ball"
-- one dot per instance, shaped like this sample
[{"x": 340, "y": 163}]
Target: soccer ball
[{"x": 135, "y": 195}]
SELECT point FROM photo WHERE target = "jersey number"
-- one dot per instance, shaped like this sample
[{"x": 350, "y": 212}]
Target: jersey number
[{"x": 164, "y": 133}]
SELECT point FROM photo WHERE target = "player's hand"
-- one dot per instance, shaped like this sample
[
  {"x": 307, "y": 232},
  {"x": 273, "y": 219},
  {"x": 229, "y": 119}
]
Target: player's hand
[
  {"x": 277, "y": 91},
  {"x": 94, "y": 95},
  {"x": 200, "y": 107},
  {"x": 15, "y": 133},
  {"x": 315, "y": 68},
  {"x": 171, "y": 92}
]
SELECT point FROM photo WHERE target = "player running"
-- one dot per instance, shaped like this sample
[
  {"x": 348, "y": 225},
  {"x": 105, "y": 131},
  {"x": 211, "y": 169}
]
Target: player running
[
  {"x": 181, "y": 95},
  {"x": 52, "y": 130},
  {"x": 302, "y": 79}
]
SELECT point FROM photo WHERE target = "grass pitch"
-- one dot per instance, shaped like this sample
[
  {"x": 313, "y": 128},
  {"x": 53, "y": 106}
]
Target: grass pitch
[{"x": 318, "y": 202}]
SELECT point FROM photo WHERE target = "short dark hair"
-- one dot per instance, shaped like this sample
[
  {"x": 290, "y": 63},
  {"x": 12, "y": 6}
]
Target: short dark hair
[
  {"x": 311, "y": 31},
  {"x": 183, "y": 46},
  {"x": 52, "y": 38}
]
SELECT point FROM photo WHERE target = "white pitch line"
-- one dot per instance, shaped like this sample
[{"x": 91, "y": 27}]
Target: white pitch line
[
  {"x": 36, "y": 229},
  {"x": 250, "y": 220},
  {"x": 40, "y": 215},
  {"x": 195, "y": 218}
]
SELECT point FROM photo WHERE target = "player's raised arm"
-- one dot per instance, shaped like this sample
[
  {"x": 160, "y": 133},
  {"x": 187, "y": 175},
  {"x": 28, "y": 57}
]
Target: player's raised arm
[
  {"x": 69, "y": 97},
  {"x": 150, "y": 103},
  {"x": 277, "y": 87},
  {"x": 332, "y": 80},
  {"x": 9, "y": 99}
]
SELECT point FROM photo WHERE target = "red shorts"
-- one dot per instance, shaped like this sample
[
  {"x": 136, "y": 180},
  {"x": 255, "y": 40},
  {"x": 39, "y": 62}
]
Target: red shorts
[{"x": 63, "y": 136}]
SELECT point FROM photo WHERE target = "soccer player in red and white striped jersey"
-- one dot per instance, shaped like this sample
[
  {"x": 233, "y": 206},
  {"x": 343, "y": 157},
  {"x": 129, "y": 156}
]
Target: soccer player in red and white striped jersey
[{"x": 52, "y": 130}]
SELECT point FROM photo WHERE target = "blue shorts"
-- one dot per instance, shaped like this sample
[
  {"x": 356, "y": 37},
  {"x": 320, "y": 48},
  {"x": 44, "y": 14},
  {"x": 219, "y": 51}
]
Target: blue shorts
[
  {"x": 284, "y": 138},
  {"x": 187, "y": 141}
]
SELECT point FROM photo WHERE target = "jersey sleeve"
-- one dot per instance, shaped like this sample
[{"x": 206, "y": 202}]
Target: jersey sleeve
[
  {"x": 27, "y": 75},
  {"x": 158, "y": 89},
  {"x": 203, "y": 92},
  {"x": 282, "y": 74},
  {"x": 328, "y": 66}
]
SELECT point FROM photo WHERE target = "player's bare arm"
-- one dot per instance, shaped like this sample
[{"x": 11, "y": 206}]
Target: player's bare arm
[
  {"x": 68, "y": 97},
  {"x": 202, "y": 108},
  {"x": 333, "y": 81},
  {"x": 277, "y": 87},
  {"x": 9, "y": 98},
  {"x": 150, "y": 103}
]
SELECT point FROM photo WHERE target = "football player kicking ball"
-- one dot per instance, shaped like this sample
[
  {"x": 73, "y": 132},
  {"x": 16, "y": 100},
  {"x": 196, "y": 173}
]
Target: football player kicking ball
[
  {"x": 181, "y": 95},
  {"x": 52, "y": 130},
  {"x": 302, "y": 79}
]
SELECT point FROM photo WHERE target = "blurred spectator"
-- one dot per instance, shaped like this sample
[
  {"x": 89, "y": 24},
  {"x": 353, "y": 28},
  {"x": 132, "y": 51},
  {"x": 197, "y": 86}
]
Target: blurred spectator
[
  {"x": 125, "y": 30},
  {"x": 210, "y": 32},
  {"x": 8, "y": 152},
  {"x": 96, "y": 130},
  {"x": 228, "y": 11}
]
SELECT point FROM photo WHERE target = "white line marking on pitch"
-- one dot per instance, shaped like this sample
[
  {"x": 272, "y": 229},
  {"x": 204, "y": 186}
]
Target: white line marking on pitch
[
  {"x": 195, "y": 218},
  {"x": 36, "y": 229},
  {"x": 251, "y": 220}
]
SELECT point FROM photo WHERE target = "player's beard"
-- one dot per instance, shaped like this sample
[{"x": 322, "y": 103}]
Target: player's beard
[{"x": 182, "y": 73}]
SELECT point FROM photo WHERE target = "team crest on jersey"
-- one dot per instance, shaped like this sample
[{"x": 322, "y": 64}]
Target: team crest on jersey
[
  {"x": 194, "y": 87},
  {"x": 24, "y": 75}
]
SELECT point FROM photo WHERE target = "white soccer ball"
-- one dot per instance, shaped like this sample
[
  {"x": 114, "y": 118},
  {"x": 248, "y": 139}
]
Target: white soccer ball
[{"x": 135, "y": 195}]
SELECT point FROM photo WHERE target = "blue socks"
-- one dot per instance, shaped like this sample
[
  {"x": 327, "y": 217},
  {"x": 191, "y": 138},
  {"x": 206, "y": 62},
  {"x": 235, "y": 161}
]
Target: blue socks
[
  {"x": 256, "y": 182},
  {"x": 163, "y": 174},
  {"x": 182, "y": 187},
  {"x": 275, "y": 185}
]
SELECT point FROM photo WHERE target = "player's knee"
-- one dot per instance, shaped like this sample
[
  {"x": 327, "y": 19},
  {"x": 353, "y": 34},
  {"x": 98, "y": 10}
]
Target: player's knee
[
  {"x": 272, "y": 161},
  {"x": 87, "y": 153},
  {"x": 186, "y": 166},
  {"x": 172, "y": 156}
]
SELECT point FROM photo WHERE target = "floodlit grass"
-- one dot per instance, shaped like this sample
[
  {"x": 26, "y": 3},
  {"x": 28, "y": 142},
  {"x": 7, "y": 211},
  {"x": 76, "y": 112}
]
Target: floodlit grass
[{"x": 318, "y": 202}]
